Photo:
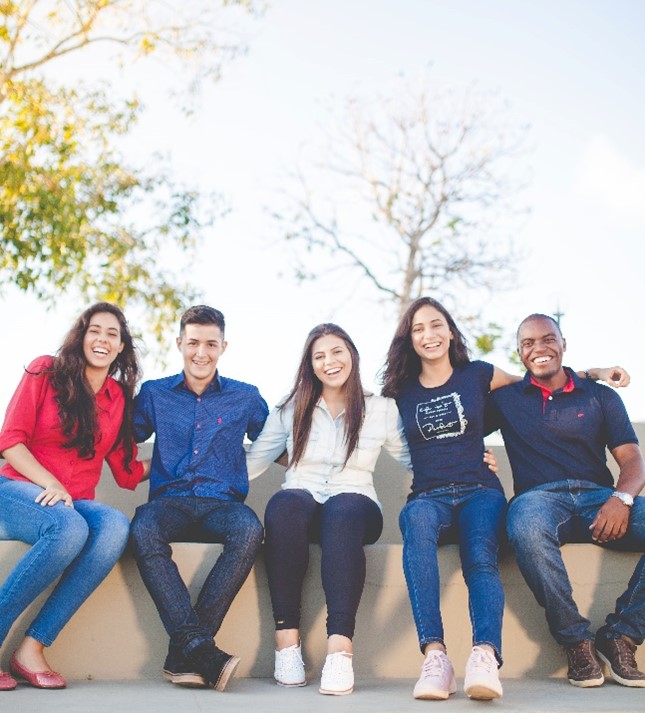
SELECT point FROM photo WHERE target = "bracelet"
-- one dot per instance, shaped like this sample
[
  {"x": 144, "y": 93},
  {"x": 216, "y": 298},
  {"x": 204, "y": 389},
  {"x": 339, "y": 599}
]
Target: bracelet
[{"x": 588, "y": 376}]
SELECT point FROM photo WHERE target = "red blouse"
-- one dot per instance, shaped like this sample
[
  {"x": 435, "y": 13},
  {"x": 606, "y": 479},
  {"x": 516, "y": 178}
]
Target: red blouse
[{"x": 32, "y": 418}]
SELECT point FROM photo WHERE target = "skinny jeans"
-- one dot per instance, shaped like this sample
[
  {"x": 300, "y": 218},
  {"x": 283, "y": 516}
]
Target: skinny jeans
[
  {"x": 342, "y": 525},
  {"x": 78, "y": 546},
  {"x": 474, "y": 516}
]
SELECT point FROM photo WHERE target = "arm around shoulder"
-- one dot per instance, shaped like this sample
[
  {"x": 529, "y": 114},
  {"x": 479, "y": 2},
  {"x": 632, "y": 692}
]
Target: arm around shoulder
[
  {"x": 502, "y": 378},
  {"x": 396, "y": 443},
  {"x": 143, "y": 420},
  {"x": 269, "y": 445}
]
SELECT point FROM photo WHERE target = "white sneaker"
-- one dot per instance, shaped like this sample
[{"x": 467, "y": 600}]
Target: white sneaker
[
  {"x": 289, "y": 667},
  {"x": 437, "y": 680},
  {"x": 337, "y": 675},
  {"x": 482, "y": 675}
]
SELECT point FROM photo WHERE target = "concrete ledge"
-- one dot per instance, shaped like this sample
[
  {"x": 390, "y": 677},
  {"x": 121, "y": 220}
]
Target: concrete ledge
[
  {"x": 117, "y": 634},
  {"x": 370, "y": 696}
]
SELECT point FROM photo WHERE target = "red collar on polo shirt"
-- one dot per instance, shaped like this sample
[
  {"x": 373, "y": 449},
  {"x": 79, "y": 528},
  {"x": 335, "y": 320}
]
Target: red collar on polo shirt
[{"x": 567, "y": 388}]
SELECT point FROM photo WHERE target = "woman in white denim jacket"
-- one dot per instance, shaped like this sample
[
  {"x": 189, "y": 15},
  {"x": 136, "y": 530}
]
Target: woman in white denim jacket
[{"x": 333, "y": 431}]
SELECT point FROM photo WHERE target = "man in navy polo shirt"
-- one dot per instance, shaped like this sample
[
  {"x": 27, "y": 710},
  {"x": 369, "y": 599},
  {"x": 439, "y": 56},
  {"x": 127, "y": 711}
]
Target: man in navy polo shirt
[
  {"x": 198, "y": 482},
  {"x": 556, "y": 427}
]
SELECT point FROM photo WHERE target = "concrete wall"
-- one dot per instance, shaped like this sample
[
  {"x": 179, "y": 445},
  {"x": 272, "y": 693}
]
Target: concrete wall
[{"x": 117, "y": 633}]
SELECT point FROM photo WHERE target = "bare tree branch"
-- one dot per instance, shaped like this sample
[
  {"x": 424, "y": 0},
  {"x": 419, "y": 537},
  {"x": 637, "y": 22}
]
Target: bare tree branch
[{"x": 422, "y": 196}]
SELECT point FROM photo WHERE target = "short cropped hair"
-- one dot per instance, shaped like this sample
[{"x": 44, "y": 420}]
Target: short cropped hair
[
  {"x": 202, "y": 314},
  {"x": 537, "y": 315}
]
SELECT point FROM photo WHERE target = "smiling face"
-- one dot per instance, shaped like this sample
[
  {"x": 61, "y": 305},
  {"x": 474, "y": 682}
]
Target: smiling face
[
  {"x": 331, "y": 361},
  {"x": 201, "y": 346},
  {"x": 102, "y": 341},
  {"x": 430, "y": 334},
  {"x": 541, "y": 348}
]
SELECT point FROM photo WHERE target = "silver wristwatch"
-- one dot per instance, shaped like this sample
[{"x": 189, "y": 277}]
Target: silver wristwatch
[{"x": 625, "y": 498}]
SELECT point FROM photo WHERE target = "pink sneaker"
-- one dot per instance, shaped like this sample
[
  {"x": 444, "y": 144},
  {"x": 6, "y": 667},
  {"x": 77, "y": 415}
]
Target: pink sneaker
[
  {"x": 482, "y": 675},
  {"x": 437, "y": 680}
]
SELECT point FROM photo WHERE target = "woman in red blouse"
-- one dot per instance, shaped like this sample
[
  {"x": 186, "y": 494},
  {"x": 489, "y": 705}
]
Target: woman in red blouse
[{"x": 68, "y": 414}]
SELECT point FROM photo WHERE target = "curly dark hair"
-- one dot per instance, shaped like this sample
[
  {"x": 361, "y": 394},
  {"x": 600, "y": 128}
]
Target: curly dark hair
[
  {"x": 403, "y": 363},
  {"x": 308, "y": 388},
  {"x": 75, "y": 397}
]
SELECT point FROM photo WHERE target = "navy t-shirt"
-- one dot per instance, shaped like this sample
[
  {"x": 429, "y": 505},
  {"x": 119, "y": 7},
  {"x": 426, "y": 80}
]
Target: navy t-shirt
[
  {"x": 560, "y": 438},
  {"x": 444, "y": 426}
]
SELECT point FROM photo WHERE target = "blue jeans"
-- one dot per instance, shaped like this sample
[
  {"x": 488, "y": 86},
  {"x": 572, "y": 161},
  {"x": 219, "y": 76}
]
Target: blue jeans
[
  {"x": 547, "y": 516},
  {"x": 171, "y": 519},
  {"x": 80, "y": 545},
  {"x": 475, "y": 514},
  {"x": 342, "y": 525}
]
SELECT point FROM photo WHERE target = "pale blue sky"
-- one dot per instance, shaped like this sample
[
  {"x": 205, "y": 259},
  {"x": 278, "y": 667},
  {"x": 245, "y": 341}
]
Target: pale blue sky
[{"x": 573, "y": 70}]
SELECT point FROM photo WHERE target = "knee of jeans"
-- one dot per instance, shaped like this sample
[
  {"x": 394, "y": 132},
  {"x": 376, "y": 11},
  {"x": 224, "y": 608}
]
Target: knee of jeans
[
  {"x": 285, "y": 505},
  {"x": 246, "y": 529},
  {"x": 70, "y": 530},
  {"x": 416, "y": 519},
  {"x": 474, "y": 569},
  {"x": 527, "y": 534},
  {"x": 145, "y": 536},
  {"x": 114, "y": 532}
]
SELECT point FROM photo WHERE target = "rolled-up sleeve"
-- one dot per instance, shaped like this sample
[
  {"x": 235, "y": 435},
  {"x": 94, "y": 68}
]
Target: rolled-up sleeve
[
  {"x": 20, "y": 419},
  {"x": 125, "y": 479}
]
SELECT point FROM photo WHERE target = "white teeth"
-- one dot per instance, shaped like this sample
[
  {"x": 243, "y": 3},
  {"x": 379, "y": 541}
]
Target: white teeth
[
  {"x": 101, "y": 352},
  {"x": 541, "y": 360},
  {"x": 333, "y": 372}
]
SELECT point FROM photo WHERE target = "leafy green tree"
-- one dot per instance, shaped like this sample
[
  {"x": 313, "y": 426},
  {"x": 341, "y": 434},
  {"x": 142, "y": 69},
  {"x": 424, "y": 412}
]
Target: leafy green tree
[{"x": 74, "y": 214}]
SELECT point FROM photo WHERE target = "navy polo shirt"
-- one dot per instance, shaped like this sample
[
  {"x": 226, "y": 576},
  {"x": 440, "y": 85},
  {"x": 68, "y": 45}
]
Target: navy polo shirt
[
  {"x": 561, "y": 437},
  {"x": 198, "y": 449}
]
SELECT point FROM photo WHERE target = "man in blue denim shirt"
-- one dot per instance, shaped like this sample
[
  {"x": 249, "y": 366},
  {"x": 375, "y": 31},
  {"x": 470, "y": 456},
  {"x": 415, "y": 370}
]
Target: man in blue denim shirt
[
  {"x": 556, "y": 428},
  {"x": 198, "y": 482}
]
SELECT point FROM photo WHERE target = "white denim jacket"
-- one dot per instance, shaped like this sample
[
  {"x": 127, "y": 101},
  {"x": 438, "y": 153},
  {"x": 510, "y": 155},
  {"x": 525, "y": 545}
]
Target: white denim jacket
[{"x": 320, "y": 471}]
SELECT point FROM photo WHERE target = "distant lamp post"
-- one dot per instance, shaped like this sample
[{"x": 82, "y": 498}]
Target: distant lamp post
[{"x": 558, "y": 314}]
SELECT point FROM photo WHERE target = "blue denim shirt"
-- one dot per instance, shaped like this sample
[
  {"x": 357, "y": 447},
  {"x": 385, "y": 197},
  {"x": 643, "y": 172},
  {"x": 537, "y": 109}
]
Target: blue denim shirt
[{"x": 198, "y": 449}]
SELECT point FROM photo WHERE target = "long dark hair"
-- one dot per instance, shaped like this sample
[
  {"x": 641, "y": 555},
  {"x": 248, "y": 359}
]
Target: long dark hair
[
  {"x": 76, "y": 400},
  {"x": 308, "y": 388},
  {"x": 403, "y": 363}
]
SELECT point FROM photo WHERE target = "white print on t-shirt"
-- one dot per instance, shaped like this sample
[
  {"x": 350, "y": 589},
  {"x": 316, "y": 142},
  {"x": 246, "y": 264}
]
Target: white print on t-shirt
[{"x": 442, "y": 417}]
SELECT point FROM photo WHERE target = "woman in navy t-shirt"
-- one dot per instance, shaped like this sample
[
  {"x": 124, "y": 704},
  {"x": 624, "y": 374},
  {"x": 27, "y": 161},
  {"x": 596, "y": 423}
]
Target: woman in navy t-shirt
[{"x": 441, "y": 396}]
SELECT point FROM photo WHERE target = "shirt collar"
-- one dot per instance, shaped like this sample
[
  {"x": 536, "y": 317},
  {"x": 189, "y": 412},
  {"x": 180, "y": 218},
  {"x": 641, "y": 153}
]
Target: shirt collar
[
  {"x": 109, "y": 388},
  {"x": 179, "y": 381},
  {"x": 573, "y": 382}
]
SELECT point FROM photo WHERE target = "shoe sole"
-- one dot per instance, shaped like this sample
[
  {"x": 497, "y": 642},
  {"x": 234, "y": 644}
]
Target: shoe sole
[
  {"x": 290, "y": 685},
  {"x": 589, "y": 683},
  {"x": 638, "y": 683},
  {"x": 482, "y": 693},
  {"x": 227, "y": 672},
  {"x": 189, "y": 680},
  {"x": 435, "y": 694},
  {"x": 328, "y": 692}
]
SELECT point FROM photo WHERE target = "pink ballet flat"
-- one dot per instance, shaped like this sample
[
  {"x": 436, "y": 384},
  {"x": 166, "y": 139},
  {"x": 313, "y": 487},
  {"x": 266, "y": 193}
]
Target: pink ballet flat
[
  {"x": 7, "y": 681},
  {"x": 38, "y": 679}
]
